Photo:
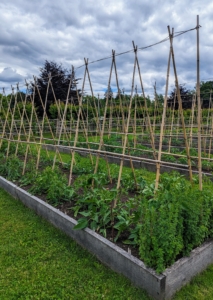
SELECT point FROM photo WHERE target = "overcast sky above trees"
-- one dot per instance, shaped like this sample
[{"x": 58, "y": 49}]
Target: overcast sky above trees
[{"x": 67, "y": 31}]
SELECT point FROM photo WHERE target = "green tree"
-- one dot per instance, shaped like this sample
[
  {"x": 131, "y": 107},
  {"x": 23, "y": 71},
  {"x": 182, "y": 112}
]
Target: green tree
[
  {"x": 186, "y": 98},
  {"x": 60, "y": 80},
  {"x": 206, "y": 89}
]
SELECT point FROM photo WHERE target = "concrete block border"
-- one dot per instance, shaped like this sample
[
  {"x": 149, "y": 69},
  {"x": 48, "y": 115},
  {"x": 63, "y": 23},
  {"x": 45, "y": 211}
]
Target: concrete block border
[{"x": 160, "y": 287}]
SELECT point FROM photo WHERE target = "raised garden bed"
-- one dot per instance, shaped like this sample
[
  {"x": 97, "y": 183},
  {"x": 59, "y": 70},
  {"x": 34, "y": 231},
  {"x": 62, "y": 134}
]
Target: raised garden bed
[
  {"x": 161, "y": 286},
  {"x": 150, "y": 166}
]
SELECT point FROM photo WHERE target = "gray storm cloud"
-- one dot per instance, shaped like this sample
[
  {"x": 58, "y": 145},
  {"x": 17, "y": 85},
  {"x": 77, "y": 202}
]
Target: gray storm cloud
[{"x": 66, "y": 32}]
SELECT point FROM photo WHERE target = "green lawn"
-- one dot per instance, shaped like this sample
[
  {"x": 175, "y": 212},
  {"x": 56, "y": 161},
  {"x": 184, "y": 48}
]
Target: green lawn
[{"x": 39, "y": 262}]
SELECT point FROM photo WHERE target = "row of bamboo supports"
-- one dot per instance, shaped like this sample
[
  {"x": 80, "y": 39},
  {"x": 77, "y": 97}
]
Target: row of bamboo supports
[{"x": 15, "y": 134}]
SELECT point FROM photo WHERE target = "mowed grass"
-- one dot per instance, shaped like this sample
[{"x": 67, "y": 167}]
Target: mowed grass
[{"x": 37, "y": 261}]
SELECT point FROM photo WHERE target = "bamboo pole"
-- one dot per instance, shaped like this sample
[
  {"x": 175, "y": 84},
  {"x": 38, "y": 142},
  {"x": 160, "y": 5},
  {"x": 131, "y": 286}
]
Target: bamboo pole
[
  {"x": 22, "y": 119},
  {"x": 180, "y": 107},
  {"x": 172, "y": 122},
  {"x": 199, "y": 108},
  {"x": 6, "y": 122},
  {"x": 97, "y": 117},
  {"x": 91, "y": 89},
  {"x": 104, "y": 119},
  {"x": 123, "y": 118},
  {"x": 126, "y": 127},
  {"x": 29, "y": 133},
  {"x": 155, "y": 107},
  {"x": 110, "y": 118},
  {"x": 77, "y": 125},
  {"x": 37, "y": 122},
  {"x": 207, "y": 125},
  {"x": 63, "y": 118},
  {"x": 15, "y": 121},
  {"x": 192, "y": 121},
  {"x": 211, "y": 130},
  {"x": 60, "y": 113},
  {"x": 135, "y": 116},
  {"x": 12, "y": 120},
  {"x": 146, "y": 108},
  {"x": 42, "y": 123},
  {"x": 163, "y": 116}
]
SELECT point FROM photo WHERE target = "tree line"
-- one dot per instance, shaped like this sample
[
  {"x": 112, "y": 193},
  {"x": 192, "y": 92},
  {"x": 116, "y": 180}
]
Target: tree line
[{"x": 55, "y": 83}]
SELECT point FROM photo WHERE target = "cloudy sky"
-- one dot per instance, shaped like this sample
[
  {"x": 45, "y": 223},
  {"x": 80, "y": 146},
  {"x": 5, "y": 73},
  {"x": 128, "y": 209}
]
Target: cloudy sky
[{"x": 67, "y": 31}]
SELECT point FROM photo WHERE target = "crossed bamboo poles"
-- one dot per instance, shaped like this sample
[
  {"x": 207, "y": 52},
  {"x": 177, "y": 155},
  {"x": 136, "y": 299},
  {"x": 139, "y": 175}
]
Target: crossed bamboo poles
[{"x": 124, "y": 128}]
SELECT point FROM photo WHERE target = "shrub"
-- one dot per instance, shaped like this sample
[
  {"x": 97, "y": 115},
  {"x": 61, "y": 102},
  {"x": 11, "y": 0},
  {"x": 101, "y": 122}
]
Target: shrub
[{"x": 174, "y": 221}]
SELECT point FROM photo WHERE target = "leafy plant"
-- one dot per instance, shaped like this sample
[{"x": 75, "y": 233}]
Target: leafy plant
[
  {"x": 54, "y": 185},
  {"x": 11, "y": 168},
  {"x": 174, "y": 221},
  {"x": 94, "y": 206}
]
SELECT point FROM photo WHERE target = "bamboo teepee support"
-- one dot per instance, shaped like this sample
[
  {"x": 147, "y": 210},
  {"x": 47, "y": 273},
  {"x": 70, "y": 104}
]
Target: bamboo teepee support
[
  {"x": 12, "y": 110},
  {"x": 155, "y": 107},
  {"x": 135, "y": 118},
  {"x": 180, "y": 106},
  {"x": 4, "y": 113},
  {"x": 101, "y": 143},
  {"x": 13, "y": 121},
  {"x": 29, "y": 133},
  {"x": 63, "y": 119},
  {"x": 42, "y": 122},
  {"x": 22, "y": 115},
  {"x": 145, "y": 102},
  {"x": 207, "y": 125},
  {"x": 192, "y": 121},
  {"x": 77, "y": 125},
  {"x": 172, "y": 121},
  {"x": 60, "y": 115},
  {"x": 199, "y": 108},
  {"x": 126, "y": 127},
  {"x": 6, "y": 123},
  {"x": 97, "y": 116},
  {"x": 163, "y": 117},
  {"x": 211, "y": 130},
  {"x": 93, "y": 98}
]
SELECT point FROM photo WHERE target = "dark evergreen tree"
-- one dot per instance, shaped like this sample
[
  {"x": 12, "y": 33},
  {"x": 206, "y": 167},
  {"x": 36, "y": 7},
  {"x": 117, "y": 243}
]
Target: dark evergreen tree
[
  {"x": 60, "y": 80},
  {"x": 186, "y": 98}
]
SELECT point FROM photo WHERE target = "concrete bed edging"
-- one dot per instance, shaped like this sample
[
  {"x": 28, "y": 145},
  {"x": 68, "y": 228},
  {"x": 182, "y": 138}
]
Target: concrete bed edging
[{"x": 160, "y": 287}]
